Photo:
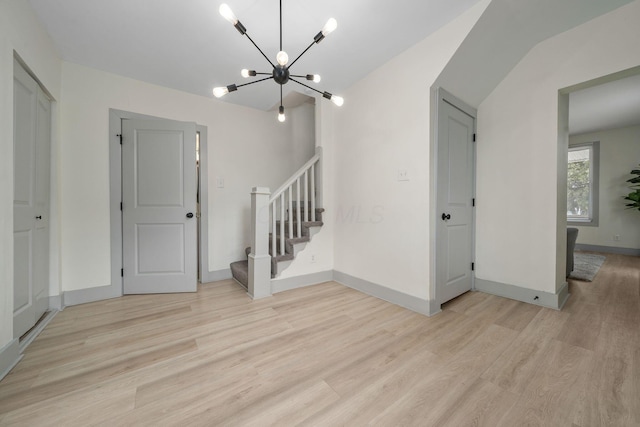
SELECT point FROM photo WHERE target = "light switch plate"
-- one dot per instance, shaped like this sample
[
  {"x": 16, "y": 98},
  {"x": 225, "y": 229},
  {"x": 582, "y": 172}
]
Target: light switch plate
[{"x": 403, "y": 175}]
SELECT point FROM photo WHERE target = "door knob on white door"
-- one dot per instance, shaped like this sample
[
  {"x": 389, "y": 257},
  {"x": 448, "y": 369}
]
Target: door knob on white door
[
  {"x": 190, "y": 215},
  {"x": 446, "y": 217}
]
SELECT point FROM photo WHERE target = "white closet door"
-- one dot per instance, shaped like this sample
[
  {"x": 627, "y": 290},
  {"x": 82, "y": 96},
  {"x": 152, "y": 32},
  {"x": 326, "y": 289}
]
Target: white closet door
[{"x": 31, "y": 140}]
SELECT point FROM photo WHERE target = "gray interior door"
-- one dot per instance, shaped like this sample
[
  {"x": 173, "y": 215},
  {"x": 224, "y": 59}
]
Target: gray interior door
[
  {"x": 31, "y": 141},
  {"x": 454, "y": 231},
  {"x": 159, "y": 206}
]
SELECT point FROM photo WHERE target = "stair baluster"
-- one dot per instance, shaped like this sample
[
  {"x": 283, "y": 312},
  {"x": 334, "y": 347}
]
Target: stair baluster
[
  {"x": 306, "y": 195},
  {"x": 313, "y": 192},
  {"x": 281, "y": 227},
  {"x": 290, "y": 210},
  {"x": 299, "y": 210}
]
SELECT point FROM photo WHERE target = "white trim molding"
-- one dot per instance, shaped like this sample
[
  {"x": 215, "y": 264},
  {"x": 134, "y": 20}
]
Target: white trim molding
[
  {"x": 410, "y": 302},
  {"x": 83, "y": 296},
  {"x": 608, "y": 249},
  {"x": 216, "y": 276},
  {"x": 545, "y": 299},
  {"x": 9, "y": 357},
  {"x": 289, "y": 283},
  {"x": 56, "y": 302},
  {"x": 36, "y": 330}
]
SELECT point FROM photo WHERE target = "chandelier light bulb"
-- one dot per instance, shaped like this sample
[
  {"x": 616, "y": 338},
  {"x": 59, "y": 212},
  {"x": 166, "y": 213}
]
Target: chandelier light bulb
[
  {"x": 281, "y": 116},
  {"x": 219, "y": 92},
  {"x": 282, "y": 58},
  {"x": 314, "y": 78},
  {"x": 227, "y": 13},
  {"x": 329, "y": 27},
  {"x": 247, "y": 73},
  {"x": 338, "y": 100}
]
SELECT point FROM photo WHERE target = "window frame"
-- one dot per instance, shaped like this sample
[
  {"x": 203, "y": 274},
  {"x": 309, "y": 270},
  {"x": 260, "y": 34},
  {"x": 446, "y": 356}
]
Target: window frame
[{"x": 594, "y": 190}]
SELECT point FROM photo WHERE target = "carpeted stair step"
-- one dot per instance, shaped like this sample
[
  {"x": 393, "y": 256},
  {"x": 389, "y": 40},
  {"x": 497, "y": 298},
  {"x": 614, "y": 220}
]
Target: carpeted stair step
[
  {"x": 279, "y": 259},
  {"x": 288, "y": 243},
  {"x": 240, "y": 272},
  {"x": 294, "y": 210},
  {"x": 305, "y": 227}
]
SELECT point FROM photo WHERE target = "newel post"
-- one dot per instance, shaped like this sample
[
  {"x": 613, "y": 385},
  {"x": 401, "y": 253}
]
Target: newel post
[{"x": 259, "y": 258}]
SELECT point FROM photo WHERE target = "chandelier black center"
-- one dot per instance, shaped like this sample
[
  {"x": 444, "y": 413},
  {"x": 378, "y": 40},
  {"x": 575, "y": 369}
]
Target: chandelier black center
[{"x": 280, "y": 74}]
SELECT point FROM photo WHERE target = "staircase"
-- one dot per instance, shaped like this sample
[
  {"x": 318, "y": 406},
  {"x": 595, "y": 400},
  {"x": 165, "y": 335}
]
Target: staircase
[
  {"x": 292, "y": 246},
  {"x": 293, "y": 219}
]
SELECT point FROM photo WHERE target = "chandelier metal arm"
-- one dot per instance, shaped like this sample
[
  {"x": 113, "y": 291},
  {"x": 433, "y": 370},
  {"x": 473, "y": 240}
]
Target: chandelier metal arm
[
  {"x": 303, "y": 52},
  {"x": 265, "y": 56},
  {"x": 281, "y": 26},
  {"x": 256, "y": 81},
  {"x": 308, "y": 87}
]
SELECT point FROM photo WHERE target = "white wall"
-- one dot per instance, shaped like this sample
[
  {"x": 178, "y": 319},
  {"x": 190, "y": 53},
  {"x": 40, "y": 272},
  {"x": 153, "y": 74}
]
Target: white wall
[
  {"x": 382, "y": 225},
  {"x": 519, "y": 204},
  {"x": 19, "y": 31},
  {"x": 246, "y": 147},
  {"x": 619, "y": 154},
  {"x": 302, "y": 138}
]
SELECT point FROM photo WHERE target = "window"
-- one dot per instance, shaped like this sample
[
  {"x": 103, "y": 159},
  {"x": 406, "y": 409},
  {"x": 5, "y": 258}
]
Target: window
[{"x": 582, "y": 184}]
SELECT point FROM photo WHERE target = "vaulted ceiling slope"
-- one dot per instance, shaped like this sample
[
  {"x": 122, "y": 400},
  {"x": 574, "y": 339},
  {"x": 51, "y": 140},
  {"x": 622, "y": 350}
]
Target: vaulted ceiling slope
[
  {"x": 504, "y": 34},
  {"x": 188, "y": 46}
]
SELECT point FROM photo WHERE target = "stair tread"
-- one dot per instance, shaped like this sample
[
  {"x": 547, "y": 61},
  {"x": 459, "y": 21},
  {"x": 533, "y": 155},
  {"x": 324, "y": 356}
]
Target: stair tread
[
  {"x": 292, "y": 240},
  {"x": 240, "y": 272},
  {"x": 303, "y": 223}
]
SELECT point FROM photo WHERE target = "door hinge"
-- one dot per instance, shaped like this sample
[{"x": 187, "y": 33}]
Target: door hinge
[
  {"x": 473, "y": 202},
  {"x": 122, "y": 272},
  {"x": 474, "y": 138},
  {"x": 120, "y": 205},
  {"x": 473, "y": 266},
  {"x": 120, "y": 136}
]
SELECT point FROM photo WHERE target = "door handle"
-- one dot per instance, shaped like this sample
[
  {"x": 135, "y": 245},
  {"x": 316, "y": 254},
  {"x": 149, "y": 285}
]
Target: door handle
[
  {"x": 190, "y": 215},
  {"x": 446, "y": 217},
  {"x": 39, "y": 217}
]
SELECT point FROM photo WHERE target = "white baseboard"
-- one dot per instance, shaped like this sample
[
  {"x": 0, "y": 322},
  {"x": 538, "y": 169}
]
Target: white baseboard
[
  {"x": 56, "y": 302},
  {"x": 608, "y": 249},
  {"x": 9, "y": 357},
  {"x": 35, "y": 331},
  {"x": 281, "y": 285},
  {"x": 84, "y": 296},
  {"x": 390, "y": 295},
  {"x": 544, "y": 299},
  {"x": 215, "y": 276}
]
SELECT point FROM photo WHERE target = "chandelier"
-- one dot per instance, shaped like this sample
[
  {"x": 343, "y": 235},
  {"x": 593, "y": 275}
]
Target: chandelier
[{"x": 280, "y": 72}]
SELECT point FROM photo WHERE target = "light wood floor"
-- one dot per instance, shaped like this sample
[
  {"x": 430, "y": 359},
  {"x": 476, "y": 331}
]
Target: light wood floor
[{"x": 328, "y": 355}]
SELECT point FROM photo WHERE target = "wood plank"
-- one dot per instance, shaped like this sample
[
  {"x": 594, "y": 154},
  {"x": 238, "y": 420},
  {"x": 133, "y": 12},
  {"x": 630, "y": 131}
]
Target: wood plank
[{"x": 329, "y": 355}]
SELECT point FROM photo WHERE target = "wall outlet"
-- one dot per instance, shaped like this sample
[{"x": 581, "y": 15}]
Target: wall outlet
[
  {"x": 220, "y": 182},
  {"x": 313, "y": 258},
  {"x": 403, "y": 175},
  {"x": 616, "y": 237}
]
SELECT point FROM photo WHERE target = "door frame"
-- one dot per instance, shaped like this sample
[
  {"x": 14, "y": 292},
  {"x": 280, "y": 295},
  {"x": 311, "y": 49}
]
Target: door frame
[
  {"x": 439, "y": 97},
  {"x": 115, "y": 289}
]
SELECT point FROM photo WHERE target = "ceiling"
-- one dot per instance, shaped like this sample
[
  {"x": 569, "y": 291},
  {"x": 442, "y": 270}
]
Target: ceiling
[
  {"x": 607, "y": 106},
  {"x": 188, "y": 46}
]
